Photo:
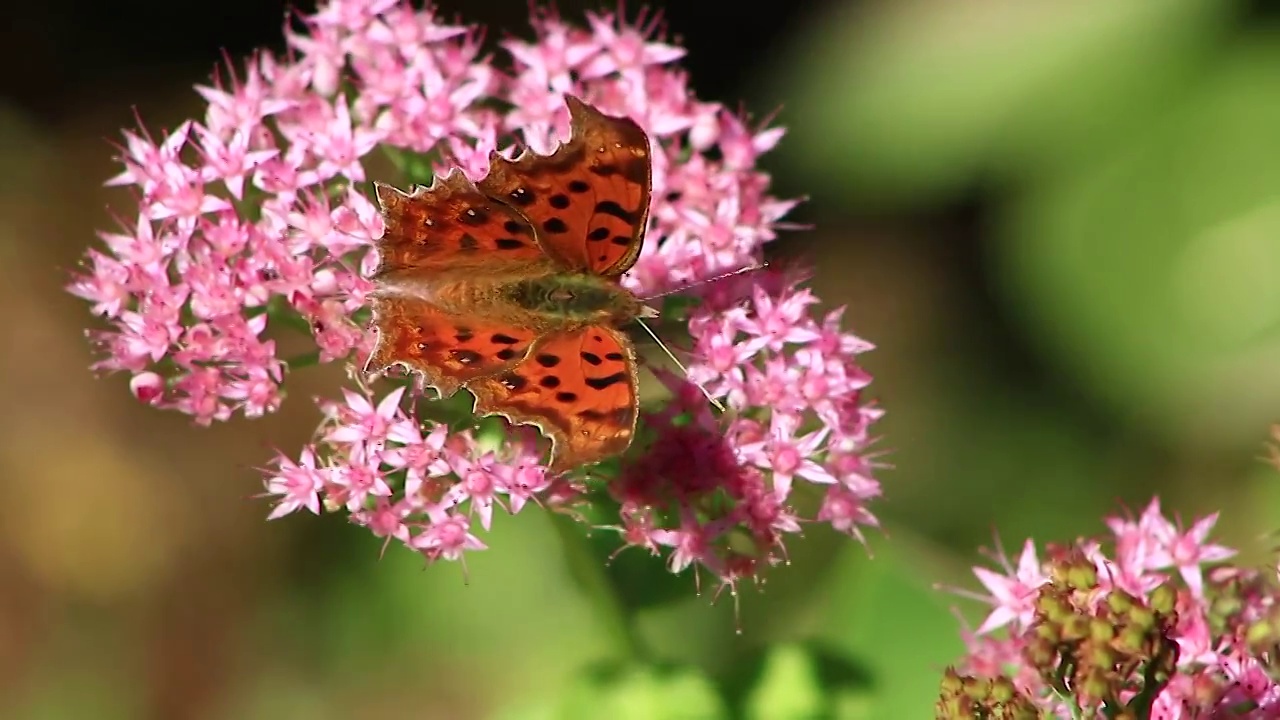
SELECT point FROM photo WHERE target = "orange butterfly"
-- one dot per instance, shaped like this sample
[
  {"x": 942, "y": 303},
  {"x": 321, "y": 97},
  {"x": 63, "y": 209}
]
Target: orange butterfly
[{"x": 509, "y": 286}]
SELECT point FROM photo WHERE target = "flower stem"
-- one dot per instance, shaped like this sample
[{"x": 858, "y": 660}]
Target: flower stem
[{"x": 589, "y": 572}]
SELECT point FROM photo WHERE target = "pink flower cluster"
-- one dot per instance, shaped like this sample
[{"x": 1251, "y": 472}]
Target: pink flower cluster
[
  {"x": 793, "y": 388},
  {"x": 257, "y": 218},
  {"x": 1224, "y": 627},
  {"x": 442, "y": 479}
]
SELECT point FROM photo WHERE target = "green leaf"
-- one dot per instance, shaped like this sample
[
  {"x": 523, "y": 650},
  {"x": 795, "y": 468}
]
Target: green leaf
[
  {"x": 413, "y": 166},
  {"x": 281, "y": 312},
  {"x": 885, "y": 614},
  {"x": 455, "y": 411},
  {"x": 676, "y": 308},
  {"x": 642, "y": 692},
  {"x": 643, "y": 580},
  {"x": 639, "y": 579},
  {"x": 793, "y": 680},
  {"x": 788, "y": 687}
]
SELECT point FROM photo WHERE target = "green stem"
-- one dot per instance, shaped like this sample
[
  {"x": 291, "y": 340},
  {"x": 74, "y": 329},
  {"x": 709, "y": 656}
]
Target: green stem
[{"x": 588, "y": 570}]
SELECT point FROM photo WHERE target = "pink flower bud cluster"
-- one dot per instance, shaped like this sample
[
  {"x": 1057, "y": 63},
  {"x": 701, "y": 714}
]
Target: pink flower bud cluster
[{"x": 1224, "y": 619}]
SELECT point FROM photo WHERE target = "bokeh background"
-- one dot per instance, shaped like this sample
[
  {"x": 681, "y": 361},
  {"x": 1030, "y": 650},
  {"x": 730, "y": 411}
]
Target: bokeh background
[{"x": 1059, "y": 222}]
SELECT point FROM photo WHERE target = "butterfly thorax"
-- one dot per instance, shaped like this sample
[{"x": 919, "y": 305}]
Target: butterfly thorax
[
  {"x": 573, "y": 298},
  {"x": 543, "y": 302}
]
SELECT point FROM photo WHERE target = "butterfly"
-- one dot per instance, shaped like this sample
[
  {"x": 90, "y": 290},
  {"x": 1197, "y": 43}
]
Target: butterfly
[{"x": 509, "y": 286}]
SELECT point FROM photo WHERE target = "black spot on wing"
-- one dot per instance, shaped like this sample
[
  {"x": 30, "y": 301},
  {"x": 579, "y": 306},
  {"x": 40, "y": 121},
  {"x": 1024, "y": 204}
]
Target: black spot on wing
[
  {"x": 611, "y": 208},
  {"x": 607, "y": 381}
]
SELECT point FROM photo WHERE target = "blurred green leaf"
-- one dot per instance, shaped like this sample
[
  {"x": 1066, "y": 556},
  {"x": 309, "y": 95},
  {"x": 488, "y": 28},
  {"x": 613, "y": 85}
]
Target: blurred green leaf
[
  {"x": 976, "y": 448},
  {"x": 78, "y": 694},
  {"x": 788, "y": 687},
  {"x": 630, "y": 692},
  {"x": 637, "y": 579},
  {"x": 280, "y": 312},
  {"x": 885, "y": 612},
  {"x": 414, "y": 167},
  {"x": 625, "y": 691},
  {"x": 903, "y": 101},
  {"x": 791, "y": 680},
  {"x": 836, "y": 670},
  {"x": 389, "y": 620},
  {"x": 642, "y": 580},
  {"x": 802, "y": 680},
  {"x": 1150, "y": 274},
  {"x": 675, "y": 310},
  {"x": 283, "y": 693}
]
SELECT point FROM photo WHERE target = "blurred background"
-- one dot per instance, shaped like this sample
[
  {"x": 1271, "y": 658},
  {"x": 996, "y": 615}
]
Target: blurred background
[{"x": 1059, "y": 221}]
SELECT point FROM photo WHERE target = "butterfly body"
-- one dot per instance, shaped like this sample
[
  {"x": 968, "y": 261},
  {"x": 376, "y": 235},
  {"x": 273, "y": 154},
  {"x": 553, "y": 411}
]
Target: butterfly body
[
  {"x": 508, "y": 287},
  {"x": 574, "y": 298}
]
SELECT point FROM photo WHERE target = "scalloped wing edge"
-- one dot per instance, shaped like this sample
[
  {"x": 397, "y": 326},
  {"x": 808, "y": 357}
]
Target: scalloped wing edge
[
  {"x": 559, "y": 462},
  {"x": 580, "y": 112}
]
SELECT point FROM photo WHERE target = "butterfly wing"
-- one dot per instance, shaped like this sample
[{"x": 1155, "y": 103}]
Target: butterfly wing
[
  {"x": 589, "y": 200},
  {"x": 449, "y": 349},
  {"x": 579, "y": 387},
  {"x": 450, "y": 227}
]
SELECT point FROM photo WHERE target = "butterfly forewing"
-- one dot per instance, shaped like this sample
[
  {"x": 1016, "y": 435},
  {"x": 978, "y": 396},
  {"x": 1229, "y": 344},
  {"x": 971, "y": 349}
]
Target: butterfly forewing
[
  {"x": 450, "y": 226},
  {"x": 588, "y": 200}
]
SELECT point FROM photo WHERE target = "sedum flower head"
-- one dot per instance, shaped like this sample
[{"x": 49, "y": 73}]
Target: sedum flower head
[
  {"x": 1146, "y": 623},
  {"x": 253, "y": 226}
]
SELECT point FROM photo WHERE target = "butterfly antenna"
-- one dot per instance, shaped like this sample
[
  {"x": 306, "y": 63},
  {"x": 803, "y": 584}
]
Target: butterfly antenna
[
  {"x": 714, "y": 402},
  {"x": 708, "y": 281}
]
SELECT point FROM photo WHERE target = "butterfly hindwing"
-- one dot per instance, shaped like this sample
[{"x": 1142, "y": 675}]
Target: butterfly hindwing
[
  {"x": 448, "y": 349},
  {"x": 589, "y": 200},
  {"x": 579, "y": 387}
]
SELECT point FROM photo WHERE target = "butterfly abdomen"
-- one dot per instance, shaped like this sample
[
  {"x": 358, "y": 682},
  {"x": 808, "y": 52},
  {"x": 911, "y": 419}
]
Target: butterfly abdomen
[{"x": 574, "y": 298}]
